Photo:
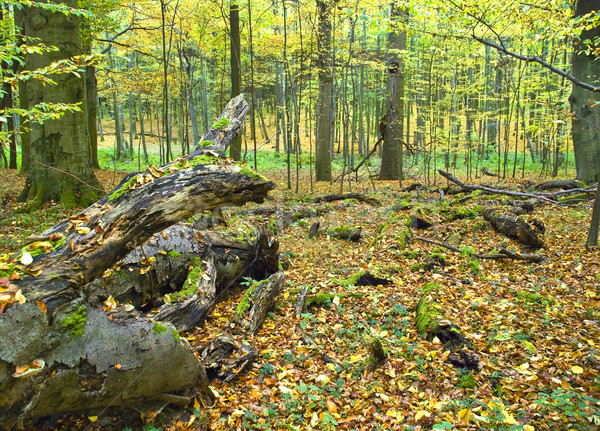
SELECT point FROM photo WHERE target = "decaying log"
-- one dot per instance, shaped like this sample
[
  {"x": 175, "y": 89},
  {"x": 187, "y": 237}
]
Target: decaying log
[
  {"x": 346, "y": 232},
  {"x": 300, "y": 302},
  {"x": 559, "y": 184},
  {"x": 504, "y": 253},
  {"x": 60, "y": 351},
  {"x": 257, "y": 302},
  {"x": 485, "y": 171},
  {"x": 172, "y": 253},
  {"x": 529, "y": 233},
  {"x": 412, "y": 187},
  {"x": 358, "y": 196},
  {"x": 431, "y": 324},
  {"x": 225, "y": 358}
]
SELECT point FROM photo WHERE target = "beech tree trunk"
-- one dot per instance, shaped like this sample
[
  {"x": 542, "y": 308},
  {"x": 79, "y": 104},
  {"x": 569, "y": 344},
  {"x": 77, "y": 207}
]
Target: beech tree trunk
[{"x": 60, "y": 168}]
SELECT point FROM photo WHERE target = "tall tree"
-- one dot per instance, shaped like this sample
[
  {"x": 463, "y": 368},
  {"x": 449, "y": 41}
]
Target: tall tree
[
  {"x": 325, "y": 105},
  {"x": 586, "y": 118},
  {"x": 60, "y": 162},
  {"x": 391, "y": 157},
  {"x": 235, "y": 150}
]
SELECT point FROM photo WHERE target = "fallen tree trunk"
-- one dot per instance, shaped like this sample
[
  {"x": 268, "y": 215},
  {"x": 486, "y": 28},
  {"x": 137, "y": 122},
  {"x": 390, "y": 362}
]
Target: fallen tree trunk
[
  {"x": 559, "y": 184},
  {"x": 161, "y": 268},
  {"x": 61, "y": 350},
  {"x": 358, "y": 196},
  {"x": 257, "y": 302},
  {"x": 528, "y": 233},
  {"x": 504, "y": 253}
]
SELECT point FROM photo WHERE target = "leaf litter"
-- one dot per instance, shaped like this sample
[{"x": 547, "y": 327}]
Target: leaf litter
[{"x": 534, "y": 326}]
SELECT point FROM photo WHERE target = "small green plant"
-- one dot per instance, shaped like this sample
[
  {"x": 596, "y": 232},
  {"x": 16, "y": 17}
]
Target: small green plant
[{"x": 467, "y": 381}]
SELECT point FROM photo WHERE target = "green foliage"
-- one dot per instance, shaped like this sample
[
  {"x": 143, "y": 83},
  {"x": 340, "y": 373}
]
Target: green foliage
[{"x": 467, "y": 381}]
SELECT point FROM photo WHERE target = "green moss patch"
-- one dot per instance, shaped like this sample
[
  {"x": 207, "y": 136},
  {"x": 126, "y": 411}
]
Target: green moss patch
[
  {"x": 221, "y": 124},
  {"x": 126, "y": 187},
  {"x": 75, "y": 321},
  {"x": 427, "y": 317},
  {"x": 158, "y": 328}
]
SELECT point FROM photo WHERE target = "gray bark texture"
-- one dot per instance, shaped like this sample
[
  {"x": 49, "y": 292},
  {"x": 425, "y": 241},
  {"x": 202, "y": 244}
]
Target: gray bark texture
[
  {"x": 391, "y": 152},
  {"x": 60, "y": 162},
  {"x": 586, "y": 118},
  {"x": 325, "y": 109},
  {"x": 82, "y": 353}
]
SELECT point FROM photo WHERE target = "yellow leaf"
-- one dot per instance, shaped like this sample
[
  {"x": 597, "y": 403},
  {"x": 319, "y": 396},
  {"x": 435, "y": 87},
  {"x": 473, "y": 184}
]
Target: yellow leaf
[
  {"x": 355, "y": 358},
  {"x": 19, "y": 297},
  {"x": 331, "y": 406},
  {"x": 464, "y": 416},
  {"x": 286, "y": 295},
  {"x": 421, "y": 414},
  {"x": 93, "y": 418},
  {"x": 576, "y": 369},
  {"x": 395, "y": 414},
  {"x": 528, "y": 428},
  {"x": 82, "y": 230}
]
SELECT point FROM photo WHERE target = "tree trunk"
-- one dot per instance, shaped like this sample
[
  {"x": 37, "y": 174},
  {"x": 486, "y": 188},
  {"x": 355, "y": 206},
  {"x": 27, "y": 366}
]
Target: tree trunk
[
  {"x": 61, "y": 168},
  {"x": 325, "y": 107},
  {"x": 391, "y": 156},
  {"x": 91, "y": 99},
  {"x": 235, "y": 151},
  {"x": 586, "y": 118}
]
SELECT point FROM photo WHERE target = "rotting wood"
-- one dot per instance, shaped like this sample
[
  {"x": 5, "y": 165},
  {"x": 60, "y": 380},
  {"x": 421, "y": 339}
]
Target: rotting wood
[
  {"x": 300, "y": 302},
  {"x": 487, "y": 172},
  {"x": 559, "y": 184},
  {"x": 225, "y": 358},
  {"x": 92, "y": 358},
  {"x": 431, "y": 324},
  {"x": 530, "y": 232},
  {"x": 257, "y": 301},
  {"x": 341, "y": 197},
  {"x": 504, "y": 253}
]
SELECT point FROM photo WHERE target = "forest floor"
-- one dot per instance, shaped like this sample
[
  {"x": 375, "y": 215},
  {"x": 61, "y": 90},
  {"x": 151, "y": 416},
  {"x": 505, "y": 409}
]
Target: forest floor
[{"x": 534, "y": 326}]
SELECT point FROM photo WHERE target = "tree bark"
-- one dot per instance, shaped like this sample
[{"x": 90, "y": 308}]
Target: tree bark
[
  {"x": 325, "y": 107},
  {"x": 235, "y": 151},
  {"x": 531, "y": 234},
  {"x": 391, "y": 155},
  {"x": 83, "y": 354},
  {"x": 61, "y": 168},
  {"x": 586, "y": 118}
]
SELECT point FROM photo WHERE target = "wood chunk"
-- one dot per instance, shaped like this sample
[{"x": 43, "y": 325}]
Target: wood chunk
[{"x": 530, "y": 232}]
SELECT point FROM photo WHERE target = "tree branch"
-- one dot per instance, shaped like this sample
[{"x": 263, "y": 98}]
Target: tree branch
[{"x": 540, "y": 61}]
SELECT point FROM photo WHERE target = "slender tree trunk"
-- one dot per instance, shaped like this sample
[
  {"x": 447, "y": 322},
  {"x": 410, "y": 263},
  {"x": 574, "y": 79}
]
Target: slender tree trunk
[
  {"x": 235, "y": 151},
  {"x": 325, "y": 108}
]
